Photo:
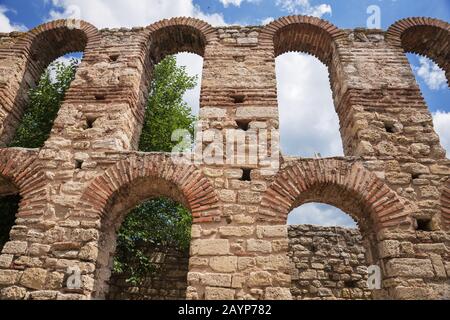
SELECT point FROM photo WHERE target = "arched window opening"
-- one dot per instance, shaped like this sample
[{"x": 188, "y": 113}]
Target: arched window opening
[
  {"x": 40, "y": 47},
  {"x": 436, "y": 92},
  {"x": 173, "y": 101},
  {"x": 9, "y": 205},
  {"x": 44, "y": 101},
  {"x": 147, "y": 228},
  {"x": 328, "y": 254},
  {"x": 152, "y": 255},
  {"x": 309, "y": 125}
]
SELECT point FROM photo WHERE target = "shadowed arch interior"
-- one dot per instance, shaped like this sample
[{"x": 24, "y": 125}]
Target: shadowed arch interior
[
  {"x": 304, "y": 38},
  {"x": 176, "y": 39},
  {"x": 424, "y": 36},
  {"x": 126, "y": 198}
]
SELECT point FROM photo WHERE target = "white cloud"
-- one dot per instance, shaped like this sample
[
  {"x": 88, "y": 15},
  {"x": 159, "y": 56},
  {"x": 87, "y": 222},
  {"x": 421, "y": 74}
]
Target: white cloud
[
  {"x": 431, "y": 74},
  {"x": 441, "y": 121},
  {"x": 304, "y": 7},
  {"x": 308, "y": 121},
  {"x": 5, "y": 23},
  {"x": 236, "y": 3},
  {"x": 119, "y": 13},
  {"x": 267, "y": 20},
  {"x": 321, "y": 215},
  {"x": 194, "y": 66}
]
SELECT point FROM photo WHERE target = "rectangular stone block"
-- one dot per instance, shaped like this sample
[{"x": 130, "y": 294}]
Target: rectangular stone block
[
  {"x": 223, "y": 264},
  {"x": 219, "y": 294},
  {"x": 15, "y": 247},
  {"x": 259, "y": 246},
  {"x": 235, "y": 231},
  {"x": 271, "y": 231},
  {"x": 409, "y": 267},
  {"x": 216, "y": 280},
  {"x": 256, "y": 112},
  {"x": 8, "y": 277},
  {"x": 210, "y": 247},
  {"x": 34, "y": 278}
]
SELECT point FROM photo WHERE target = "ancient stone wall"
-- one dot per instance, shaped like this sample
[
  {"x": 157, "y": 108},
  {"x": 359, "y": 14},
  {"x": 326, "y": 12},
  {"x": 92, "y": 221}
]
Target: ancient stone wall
[
  {"x": 166, "y": 281},
  {"x": 327, "y": 263},
  {"x": 76, "y": 189}
]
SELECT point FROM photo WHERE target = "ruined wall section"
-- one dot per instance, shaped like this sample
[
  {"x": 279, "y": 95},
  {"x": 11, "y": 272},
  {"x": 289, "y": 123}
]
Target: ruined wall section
[
  {"x": 78, "y": 187},
  {"x": 327, "y": 263},
  {"x": 167, "y": 280}
]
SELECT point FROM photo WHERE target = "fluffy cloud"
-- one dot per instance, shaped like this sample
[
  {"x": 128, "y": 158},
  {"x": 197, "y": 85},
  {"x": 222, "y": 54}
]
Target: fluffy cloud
[
  {"x": 308, "y": 120},
  {"x": 320, "y": 214},
  {"x": 304, "y": 7},
  {"x": 267, "y": 20},
  {"x": 441, "y": 121},
  {"x": 5, "y": 23},
  {"x": 119, "y": 13},
  {"x": 431, "y": 74},
  {"x": 236, "y": 3},
  {"x": 194, "y": 66}
]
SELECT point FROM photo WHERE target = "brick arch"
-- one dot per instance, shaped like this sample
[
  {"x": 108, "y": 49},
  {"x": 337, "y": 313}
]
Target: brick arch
[
  {"x": 346, "y": 185},
  {"x": 193, "y": 189},
  {"x": 445, "y": 203},
  {"x": 424, "y": 36},
  {"x": 23, "y": 175},
  {"x": 171, "y": 36},
  {"x": 133, "y": 180},
  {"x": 302, "y": 34},
  {"x": 36, "y": 49},
  {"x": 51, "y": 40}
]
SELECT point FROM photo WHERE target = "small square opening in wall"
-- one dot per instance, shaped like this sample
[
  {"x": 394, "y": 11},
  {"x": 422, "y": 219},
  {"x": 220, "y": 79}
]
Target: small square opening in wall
[
  {"x": 243, "y": 124},
  {"x": 238, "y": 98},
  {"x": 100, "y": 96},
  {"x": 350, "y": 284},
  {"x": 389, "y": 128},
  {"x": 246, "y": 175},
  {"x": 424, "y": 224},
  {"x": 415, "y": 176},
  {"x": 114, "y": 57},
  {"x": 78, "y": 164},
  {"x": 90, "y": 122}
]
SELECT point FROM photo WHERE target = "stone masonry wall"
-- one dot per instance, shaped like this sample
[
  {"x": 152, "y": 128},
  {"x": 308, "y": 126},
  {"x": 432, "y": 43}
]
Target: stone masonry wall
[
  {"x": 76, "y": 190},
  {"x": 167, "y": 282},
  {"x": 327, "y": 263}
]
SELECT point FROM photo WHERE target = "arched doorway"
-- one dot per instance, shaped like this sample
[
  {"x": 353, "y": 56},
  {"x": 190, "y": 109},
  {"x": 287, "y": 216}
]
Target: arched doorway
[
  {"x": 345, "y": 185},
  {"x": 133, "y": 181},
  {"x": 327, "y": 254}
]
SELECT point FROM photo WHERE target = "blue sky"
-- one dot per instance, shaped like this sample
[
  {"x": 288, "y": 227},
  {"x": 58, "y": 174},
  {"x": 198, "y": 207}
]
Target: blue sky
[{"x": 308, "y": 89}]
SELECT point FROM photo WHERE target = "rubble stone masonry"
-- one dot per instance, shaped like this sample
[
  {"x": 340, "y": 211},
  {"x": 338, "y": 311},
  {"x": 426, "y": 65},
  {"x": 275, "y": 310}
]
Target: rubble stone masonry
[{"x": 77, "y": 188}]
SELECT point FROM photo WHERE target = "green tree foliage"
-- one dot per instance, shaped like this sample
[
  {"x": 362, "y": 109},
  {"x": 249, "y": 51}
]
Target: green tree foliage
[
  {"x": 158, "y": 223},
  {"x": 45, "y": 101},
  {"x": 166, "y": 111}
]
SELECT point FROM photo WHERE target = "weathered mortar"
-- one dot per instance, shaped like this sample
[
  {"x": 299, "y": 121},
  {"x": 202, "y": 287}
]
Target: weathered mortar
[
  {"x": 168, "y": 281},
  {"x": 327, "y": 263},
  {"x": 77, "y": 188}
]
